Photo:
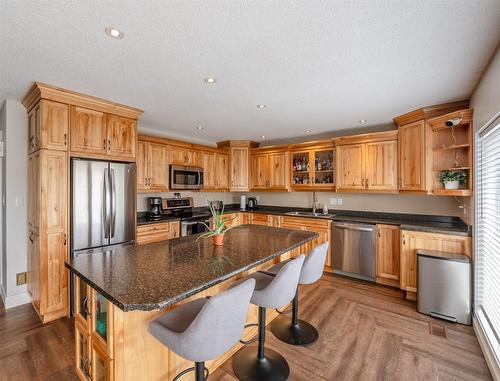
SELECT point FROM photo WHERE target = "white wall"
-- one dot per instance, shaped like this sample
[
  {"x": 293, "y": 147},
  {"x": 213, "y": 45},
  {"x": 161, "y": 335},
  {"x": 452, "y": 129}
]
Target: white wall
[{"x": 14, "y": 191}]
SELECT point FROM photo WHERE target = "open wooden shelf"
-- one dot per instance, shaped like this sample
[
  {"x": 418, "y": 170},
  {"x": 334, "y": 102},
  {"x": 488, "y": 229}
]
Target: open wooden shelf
[
  {"x": 452, "y": 169},
  {"x": 452, "y": 192},
  {"x": 458, "y": 146}
]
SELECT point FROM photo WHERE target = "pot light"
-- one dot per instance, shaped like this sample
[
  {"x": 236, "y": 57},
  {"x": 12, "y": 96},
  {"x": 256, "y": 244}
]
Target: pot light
[
  {"x": 199, "y": 128},
  {"x": 114, "y": 33},
  {"x": 307, "y": 131},
  {"x": 263, "y": 137},
  {"x": 261, "y": 106},
  {"x": 363, "y": 121},
  {"x": 210, "y": 80}
]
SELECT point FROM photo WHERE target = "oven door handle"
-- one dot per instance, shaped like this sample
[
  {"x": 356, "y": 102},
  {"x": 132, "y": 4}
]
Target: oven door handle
[{"x": 189, "y": 223}]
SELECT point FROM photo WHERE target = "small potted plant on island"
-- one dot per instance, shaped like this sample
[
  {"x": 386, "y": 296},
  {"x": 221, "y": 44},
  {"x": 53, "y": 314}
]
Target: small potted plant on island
[
  {"x": 452, "y": 179},
  {"x": 219, "y": 225}
]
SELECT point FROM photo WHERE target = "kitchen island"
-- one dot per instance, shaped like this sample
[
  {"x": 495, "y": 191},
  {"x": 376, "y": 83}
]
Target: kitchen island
[{"x": 117, "y": 292}]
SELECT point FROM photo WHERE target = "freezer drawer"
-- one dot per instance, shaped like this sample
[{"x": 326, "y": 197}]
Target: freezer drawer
[{"x": 444, "y": 285}]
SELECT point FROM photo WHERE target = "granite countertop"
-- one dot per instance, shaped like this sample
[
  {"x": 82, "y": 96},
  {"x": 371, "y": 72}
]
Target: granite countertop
[
  {"x": 415, "y": 222},
  {"x": 155, "y": 276}
]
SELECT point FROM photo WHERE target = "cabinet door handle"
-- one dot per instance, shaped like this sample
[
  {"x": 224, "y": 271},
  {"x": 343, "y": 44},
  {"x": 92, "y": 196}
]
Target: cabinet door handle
[
  {"x": 105, "y": 147},
  {"x": 109, "y": 145},
  {"x": 65, "y": 139},
  {"x": 31, "y": 236},
  {"x": 65, "y": 239},
  {"x": 366, "y": 183}
]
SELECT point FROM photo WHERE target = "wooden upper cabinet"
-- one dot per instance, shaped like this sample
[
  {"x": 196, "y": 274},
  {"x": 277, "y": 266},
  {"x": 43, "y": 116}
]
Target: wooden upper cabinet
[
  {"x": 312, "y": 167},
  {"x": 382, "y": 165},
  {"x": 88, "y": 131},
  {"x": 215, "y": 171},
  {"x": 278, "y": 170},
  {"x": 48, "y": 126},
  {"x": 412, "y": 160},
  {"x": 260, "y": 171},
  {"x": 152, "y": 167},
  {"x": 238, "y": 168},
  {"x": 122, "y": 136},
  {"x": 388, "y": 255},
  {"x": 351, "y": 167},
  {"x": 185, "y": 156}
]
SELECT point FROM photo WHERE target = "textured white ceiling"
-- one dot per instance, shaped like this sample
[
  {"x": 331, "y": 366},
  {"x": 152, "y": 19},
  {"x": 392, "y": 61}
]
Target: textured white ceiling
[{"x": 317, "y": 65}]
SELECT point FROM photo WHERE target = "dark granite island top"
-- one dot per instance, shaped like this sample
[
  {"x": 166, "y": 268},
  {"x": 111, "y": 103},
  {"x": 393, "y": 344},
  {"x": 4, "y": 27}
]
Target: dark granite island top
[{"x": 155, "y": 276}]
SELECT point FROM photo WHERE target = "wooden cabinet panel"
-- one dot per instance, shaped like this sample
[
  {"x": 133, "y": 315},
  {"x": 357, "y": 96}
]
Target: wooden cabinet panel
[
  {"x": 152, "y": 233},
  {"x": 54, "y": 190},
  {"x": 122, "y": 136},
  {"x": 259, "y": 169},
  {"x": 209, "y": 169},
  {"x": 102, "y": 365},
  {"x": 277, "y": 170},
  {"x": 157, "y": 167},
  {"x": 34, "y": 139},
  {"x": 412, "y": 241},
  {"x": 34, "y": 191},
  {"x": 177, "y": 155},
  {"x": 382, "y": 165},
  {"x": 193, "y": 157},
  {"x": 88, "y": 131},
  {"x": 82, "y": 353},
  {"x": 388, "y": 254},
  {"x": 222, "y": 171},
  {"x": 238, "y": 171},
  {"x": 174, "y": 229},
  {"x": 259, "y": 219},
  {"x": 54, "y": 125},
  {"x": 53, "y": 277},
  {"x": 142, "y": 165},
  {"x": 412, "y": 156},
  {"x": 34, "y": 268},
  {"x": 351, "y": 167}
]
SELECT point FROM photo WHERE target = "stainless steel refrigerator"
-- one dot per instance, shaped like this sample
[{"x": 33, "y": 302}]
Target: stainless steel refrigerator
[{"x": 103, "y": 198}]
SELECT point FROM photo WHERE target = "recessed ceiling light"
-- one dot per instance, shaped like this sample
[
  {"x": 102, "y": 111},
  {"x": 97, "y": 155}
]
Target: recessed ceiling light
[
  {"x": 199, "y": 128},
  {"x": 261, "y": 106},
  {"x": 210, "y": 80},
  {"x": 114, "y": 33},
  {"x": 263, "y": 137},
  {"x": 363, "y": 121},
  {"x": 307, "y": 131}
]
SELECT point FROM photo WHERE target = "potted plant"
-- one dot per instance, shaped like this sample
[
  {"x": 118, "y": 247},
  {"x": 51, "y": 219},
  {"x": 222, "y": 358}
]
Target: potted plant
[
  {"x": 219, "y": 225},
  {"x": 452, "y": 179}
]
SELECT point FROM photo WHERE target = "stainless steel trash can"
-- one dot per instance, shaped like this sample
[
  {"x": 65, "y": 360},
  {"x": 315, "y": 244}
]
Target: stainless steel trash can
[{"x": 444, "y": 285}]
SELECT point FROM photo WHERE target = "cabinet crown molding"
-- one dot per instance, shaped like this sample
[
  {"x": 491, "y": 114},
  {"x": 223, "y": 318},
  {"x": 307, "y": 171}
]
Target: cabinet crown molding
[
  {"x": 41, "y": 90},
  {"x": 367, "y": 138},
  {"x": 430, "y": 112},
  {"x": 237, "y": 143}
]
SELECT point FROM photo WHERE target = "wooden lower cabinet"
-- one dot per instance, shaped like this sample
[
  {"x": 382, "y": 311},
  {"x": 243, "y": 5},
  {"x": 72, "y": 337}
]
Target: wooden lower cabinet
[
  {"x": 412, "y": 241},
  {"x": 388, "y": 254},
  {"x": 157, "y": 232}
]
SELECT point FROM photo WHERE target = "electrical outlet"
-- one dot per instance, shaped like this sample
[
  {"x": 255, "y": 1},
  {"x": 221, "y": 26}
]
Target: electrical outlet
[
  {"x": 333, "y": 201},
  {"x": 21, "y": 279},
  {"x": 257, "y": 198},
  {"x": 339, "y": 201},
  {"x": 19, "y": 201}
]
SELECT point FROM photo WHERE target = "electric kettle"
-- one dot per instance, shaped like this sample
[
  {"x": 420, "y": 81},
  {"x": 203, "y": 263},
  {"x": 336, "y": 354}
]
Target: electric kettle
[{"x": 252, "y": 203}]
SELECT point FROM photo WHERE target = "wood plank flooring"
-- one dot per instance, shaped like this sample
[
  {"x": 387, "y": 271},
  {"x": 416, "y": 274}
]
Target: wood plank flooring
[{"x": 367, "y": 332}]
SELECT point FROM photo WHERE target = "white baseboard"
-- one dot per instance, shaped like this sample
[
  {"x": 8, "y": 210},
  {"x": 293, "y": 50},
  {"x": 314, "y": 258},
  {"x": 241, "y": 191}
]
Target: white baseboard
[
  {"x": 485, "y": 347},
  {"x": 15, "y": 300}
]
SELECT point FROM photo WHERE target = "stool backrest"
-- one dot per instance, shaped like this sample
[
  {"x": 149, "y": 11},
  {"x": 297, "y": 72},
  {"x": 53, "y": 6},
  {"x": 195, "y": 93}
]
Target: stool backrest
[
  {"x": 312, "y": 269},
  {"x": 284, "y": 285},
  {"x": 220, "y": 323}
]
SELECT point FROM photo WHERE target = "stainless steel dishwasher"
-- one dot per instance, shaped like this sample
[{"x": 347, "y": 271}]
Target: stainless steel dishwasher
[{"x": 354, "y": 250}]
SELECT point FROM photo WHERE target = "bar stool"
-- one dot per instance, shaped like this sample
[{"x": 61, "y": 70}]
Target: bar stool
[
  {"x": 296, "y": 331},
  {"x": 264, "y": 364},
  {"x": 205, "y": 328}
]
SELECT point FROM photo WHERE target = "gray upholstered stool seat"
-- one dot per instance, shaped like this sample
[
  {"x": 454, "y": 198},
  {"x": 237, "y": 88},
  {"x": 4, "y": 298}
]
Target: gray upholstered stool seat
[
  {"x": 204, "y": 329},
  {"x": 262, "y": 364},
  {"x": 296, "y": 331}
]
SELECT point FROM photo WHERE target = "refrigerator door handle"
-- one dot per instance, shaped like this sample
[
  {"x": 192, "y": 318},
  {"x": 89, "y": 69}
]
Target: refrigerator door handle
[
  {"x": 113, "y": 202},
  {"x": 106, "y": 202}
]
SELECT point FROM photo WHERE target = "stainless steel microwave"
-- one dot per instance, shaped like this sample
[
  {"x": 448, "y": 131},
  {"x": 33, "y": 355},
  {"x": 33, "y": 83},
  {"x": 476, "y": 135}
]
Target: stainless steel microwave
[{"x": 185, "y": 178}]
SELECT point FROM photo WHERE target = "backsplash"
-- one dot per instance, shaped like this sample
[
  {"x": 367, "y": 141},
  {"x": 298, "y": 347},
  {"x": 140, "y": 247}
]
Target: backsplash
[{"x": 199, "y": 198}]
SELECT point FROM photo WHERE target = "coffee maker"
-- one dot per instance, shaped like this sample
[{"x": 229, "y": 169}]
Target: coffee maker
[{"x": 154, "y": 207}]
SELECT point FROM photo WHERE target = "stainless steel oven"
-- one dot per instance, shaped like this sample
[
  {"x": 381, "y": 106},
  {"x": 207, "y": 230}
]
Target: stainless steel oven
[
  {"x": 184, "y": 177},
  {"x": 194, "y": 226}
]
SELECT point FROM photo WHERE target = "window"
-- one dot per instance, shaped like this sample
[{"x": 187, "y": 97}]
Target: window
[{"x": 487, "y": 276}]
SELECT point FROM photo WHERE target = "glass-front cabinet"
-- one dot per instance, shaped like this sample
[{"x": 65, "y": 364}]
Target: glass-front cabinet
[
  {"x": 102, "y": 369},
  {"x": 313, "y": 168},
  {"x": 82, "y": 353},
  {"x": 102, "y": 322}
]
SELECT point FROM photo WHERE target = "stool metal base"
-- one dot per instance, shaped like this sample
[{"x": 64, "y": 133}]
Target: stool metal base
[
  {"x": 301, "y": 333},
  {"x": 249, "y": 367}
]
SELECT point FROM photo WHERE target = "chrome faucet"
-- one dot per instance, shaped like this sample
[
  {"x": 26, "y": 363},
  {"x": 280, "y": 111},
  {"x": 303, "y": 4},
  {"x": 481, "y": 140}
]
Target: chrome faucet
[{"x": 315, "y": 205}]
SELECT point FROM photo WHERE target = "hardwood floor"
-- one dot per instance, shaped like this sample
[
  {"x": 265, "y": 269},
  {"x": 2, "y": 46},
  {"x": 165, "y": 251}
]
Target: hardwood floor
[{"x": 366, "y": 333}]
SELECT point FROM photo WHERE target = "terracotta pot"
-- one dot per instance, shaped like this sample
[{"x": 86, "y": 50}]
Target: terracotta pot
[{"x": 218, "y": 239}]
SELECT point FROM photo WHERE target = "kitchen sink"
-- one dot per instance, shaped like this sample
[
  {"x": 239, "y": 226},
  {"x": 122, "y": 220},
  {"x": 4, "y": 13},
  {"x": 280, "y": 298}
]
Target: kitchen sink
[{"x": 309, "y": 214}]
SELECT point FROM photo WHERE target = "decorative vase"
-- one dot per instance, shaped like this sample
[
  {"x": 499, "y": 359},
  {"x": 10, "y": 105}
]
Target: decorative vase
[
  {"x": 218, "y": 239},
  {"x": 451, "y": 185}
]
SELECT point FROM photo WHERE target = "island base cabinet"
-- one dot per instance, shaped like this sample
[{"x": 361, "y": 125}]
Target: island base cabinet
[
  {"x": 136, "y": 355},
  {"x": 412, "y": 241}
]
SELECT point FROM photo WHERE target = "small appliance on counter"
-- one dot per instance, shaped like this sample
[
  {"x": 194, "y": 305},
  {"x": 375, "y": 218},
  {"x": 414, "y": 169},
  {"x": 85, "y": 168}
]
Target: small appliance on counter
[
  {"x": 154, "y": 207},
  {"x": 252, "y": 203},
  {"x": 243, "y": 203}
]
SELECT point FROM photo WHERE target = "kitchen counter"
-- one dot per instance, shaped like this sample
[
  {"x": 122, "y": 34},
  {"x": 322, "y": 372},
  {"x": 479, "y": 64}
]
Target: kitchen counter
[
  {"x": 415, "y": 222},
  {"x": 155, "y": 276}
]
